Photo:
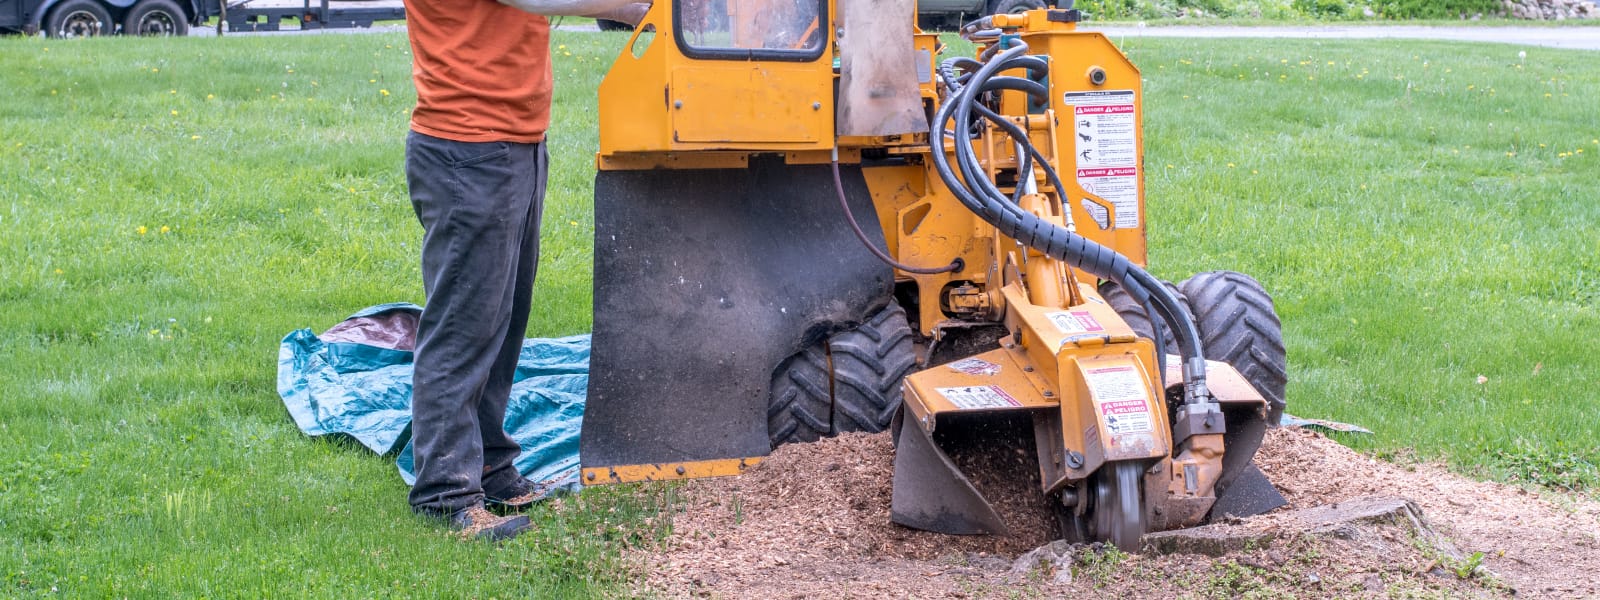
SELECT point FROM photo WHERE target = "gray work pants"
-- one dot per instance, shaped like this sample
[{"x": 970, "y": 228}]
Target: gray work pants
[{"x": 479, "y": 204}]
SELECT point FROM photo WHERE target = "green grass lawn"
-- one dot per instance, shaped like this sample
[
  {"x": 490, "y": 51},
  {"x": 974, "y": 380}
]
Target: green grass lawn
[{"x": 1425, "y": 213}]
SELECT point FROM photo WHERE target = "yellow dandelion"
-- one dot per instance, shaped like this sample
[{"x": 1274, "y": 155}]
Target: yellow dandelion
[
  {"x": 1254, "y": 172},
  {"x": 372, "y": 81},
  {"x": 384, "y": 92},
  {"x": 1510, "y": 154},
  {"x": 165, "y": 229},
  {"x": 573, "y": 223},
  {"x": 1579, "y": 151},
  {"x": 194, "y": 137},
  {"x": 1230, "y": 165},
  {"x": 211, "y": 97},
  {"x": 59, "y": 271},
  {"x": 1283, "y": 61},
  {"x": 1541, "y": 145},
  {"x": 141, "y": 230},
  {"x": 173, "y": 92},
  {"x": 174, "y": 112},
  {"x": 1169, "y": 166},
  {"x": 155, "y": 70}
]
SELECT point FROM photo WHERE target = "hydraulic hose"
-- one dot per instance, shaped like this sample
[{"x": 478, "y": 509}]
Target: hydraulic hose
[{"x": 968, "y": 181}]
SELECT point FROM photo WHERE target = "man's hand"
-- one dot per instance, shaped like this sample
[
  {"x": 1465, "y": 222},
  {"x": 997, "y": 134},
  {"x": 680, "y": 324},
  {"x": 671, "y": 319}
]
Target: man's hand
[
  {"x": 626, "y": 11},
  {"x": 631, "y": 13}
]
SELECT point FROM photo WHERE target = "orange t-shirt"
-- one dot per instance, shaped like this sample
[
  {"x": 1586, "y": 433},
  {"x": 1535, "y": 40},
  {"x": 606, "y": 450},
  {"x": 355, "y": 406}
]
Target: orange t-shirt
[{"x": 482, "y": 71}]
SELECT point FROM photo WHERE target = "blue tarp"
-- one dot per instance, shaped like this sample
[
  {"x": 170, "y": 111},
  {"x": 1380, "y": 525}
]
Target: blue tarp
[{"x": 355, "y": 380}]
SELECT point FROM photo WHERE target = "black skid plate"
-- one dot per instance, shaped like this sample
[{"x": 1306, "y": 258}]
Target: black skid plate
[{"x": 704, "y": 280}]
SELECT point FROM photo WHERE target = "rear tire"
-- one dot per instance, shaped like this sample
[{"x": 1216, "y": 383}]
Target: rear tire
[
  {"x": 849, "y": 382},
  {"x": 1238, "y": 325},
  {"x": 1134, "y": 314},
  {"x": 78, "y": 18},
  {"x": 610, "y": 25},
  {"x": 155, "y": 18},
  {"x": 1000, "y": 7}
]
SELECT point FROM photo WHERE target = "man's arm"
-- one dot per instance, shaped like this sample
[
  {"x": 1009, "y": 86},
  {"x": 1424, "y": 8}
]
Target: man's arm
[{"x": 626, "y": 11}]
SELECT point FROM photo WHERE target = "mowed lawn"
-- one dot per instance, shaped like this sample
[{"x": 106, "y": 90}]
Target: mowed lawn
[{"x": 1427, "y": 215}]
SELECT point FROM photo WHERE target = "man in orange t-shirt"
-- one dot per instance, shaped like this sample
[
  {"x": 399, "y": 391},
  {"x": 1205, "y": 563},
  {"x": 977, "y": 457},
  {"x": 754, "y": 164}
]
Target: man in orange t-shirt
[{"x": 476, "y": 168}]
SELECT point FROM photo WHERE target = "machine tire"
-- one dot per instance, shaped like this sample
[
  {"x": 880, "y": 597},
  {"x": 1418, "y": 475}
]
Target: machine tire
[
  {"x": 1238, "y": 325},
  {"x": 610, "y": 25},
  {"x": 849, "y": 382},
  {"x": 156, "y": 18},
  {"x": 1000, "y": 7},
  {"x": 1134, "y": 314},
  {"x": 78, "y": 18}
]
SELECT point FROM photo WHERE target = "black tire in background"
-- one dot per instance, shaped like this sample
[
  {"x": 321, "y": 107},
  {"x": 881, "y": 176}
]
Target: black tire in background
[
  {"x": 78, "y": 18},
  {"x": 1000, "y": 7},
  {"x": 610, "y": 25},
  {"x": 1136, "y": 317},
  {"x": 849, "y": 382},
  {"x": 156, "y": 18},
  {"x": 1239, "y": 326}
]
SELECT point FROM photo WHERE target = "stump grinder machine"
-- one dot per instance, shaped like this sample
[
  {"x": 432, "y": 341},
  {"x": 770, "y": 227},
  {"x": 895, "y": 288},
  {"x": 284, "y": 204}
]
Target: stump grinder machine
[{"x": 806, "y": 224}]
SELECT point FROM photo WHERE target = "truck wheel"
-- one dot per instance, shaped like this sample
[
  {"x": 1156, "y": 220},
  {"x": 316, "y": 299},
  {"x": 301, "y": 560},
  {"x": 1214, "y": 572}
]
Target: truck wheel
[
  {"x": 850, "y": 382},
  {"x": 1239, "y": 326},
  {"x": 610, "y": 25},
  {"x": 1000, "y": 7},
  {"x": 78, "y": 18},
  {"x": 1134, "y": 314},
  {"x": 155, "y": 17}
]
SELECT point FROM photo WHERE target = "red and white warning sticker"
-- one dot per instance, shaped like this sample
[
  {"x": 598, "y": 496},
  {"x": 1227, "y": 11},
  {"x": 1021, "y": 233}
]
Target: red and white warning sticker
[
  {"x": 975, "y": 366},
  {"x": 1106, "y": 142},
  {"x": 1077, "y": 321},
  {"x": 1120, "y": 394},
  {"x": 978, "y": 396}
]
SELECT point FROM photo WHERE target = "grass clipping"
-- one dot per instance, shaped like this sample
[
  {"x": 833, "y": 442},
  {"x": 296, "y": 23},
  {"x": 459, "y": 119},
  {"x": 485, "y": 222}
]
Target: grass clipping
[{"x": 813, "y": 521}]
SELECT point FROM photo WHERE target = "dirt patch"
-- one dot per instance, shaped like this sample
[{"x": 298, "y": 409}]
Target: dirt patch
[{"x": 813, "y": 521}]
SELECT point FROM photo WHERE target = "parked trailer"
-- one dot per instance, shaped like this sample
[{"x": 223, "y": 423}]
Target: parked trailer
[{"x": 86, "y": 18}]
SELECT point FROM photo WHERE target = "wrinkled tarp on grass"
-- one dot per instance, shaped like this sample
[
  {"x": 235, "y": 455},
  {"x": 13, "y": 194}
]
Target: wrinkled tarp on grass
[{"x": 355, "y": 380}]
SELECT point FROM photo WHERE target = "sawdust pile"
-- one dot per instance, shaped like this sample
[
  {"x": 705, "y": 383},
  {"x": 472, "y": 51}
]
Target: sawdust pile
[{"x": 812, "y": 521}]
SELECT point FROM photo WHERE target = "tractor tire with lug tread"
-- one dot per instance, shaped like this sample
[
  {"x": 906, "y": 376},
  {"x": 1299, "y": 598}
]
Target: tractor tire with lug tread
[
  {"x": 1134, "y": 314},
  {"x": 849, "y": 382},
  {"x": 78, "y": 18},
  {"x": 1239, "y": 326},
  {"x": 156, "y": 18}
]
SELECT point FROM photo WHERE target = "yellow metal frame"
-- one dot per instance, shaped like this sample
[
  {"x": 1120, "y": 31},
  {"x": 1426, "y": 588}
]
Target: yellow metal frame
[{"x": 668, "y": 471}]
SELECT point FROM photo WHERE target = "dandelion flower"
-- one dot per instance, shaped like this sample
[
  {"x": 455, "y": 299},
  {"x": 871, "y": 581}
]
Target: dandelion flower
[
  {"x": 141, "y": 230},
  {"x": 211, "y": 97},
  {"x": 194, "y": 137},
  {"x": 165, "y": 229},
  {"x": 174, "y": 112},
  {"x": 1510, "y": 154},
  {"x": 1230, "y": 165},
  {"x": 384, "y": 92},
  {"x": 59, "y": 271}
]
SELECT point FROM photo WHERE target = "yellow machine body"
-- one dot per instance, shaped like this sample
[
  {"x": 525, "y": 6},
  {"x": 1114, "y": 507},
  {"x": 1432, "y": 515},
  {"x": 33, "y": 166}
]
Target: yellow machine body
[{"x": 715, "y": 101}]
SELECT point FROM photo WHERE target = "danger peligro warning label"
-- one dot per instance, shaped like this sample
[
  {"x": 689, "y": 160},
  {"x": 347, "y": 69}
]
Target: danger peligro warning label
[{"x": 1106, "y": 142}]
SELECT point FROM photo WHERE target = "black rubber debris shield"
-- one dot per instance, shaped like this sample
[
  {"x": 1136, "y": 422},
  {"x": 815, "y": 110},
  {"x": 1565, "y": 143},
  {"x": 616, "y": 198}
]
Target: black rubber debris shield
[{"x": 704, "y": 281}]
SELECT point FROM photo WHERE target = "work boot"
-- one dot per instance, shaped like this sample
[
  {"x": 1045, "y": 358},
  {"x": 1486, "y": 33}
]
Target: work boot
[
  {"x": 477, "y": 522},
  {"x": 519, "y": 496}
]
